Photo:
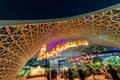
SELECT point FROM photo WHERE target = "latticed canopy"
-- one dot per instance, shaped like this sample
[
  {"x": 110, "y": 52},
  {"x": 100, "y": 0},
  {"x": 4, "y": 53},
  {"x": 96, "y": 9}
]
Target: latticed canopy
[{"x": 18, "y": 43}]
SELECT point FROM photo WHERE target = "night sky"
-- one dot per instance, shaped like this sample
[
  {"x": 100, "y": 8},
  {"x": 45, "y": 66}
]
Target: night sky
[{"x": 49, "y": 9}]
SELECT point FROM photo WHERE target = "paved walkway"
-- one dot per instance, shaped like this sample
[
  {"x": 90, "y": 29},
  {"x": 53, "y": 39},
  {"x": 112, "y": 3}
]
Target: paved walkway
[{"x": 97, "y": 77}]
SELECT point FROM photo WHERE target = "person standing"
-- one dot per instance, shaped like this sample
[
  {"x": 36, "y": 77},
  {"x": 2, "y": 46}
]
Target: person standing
[
  {"x": 66, "y": 75},
  {"x": 113, "y": 73},
  {"x": 55, "y": 74},
  {"x": 52, "y": 74},
  {"x": 48, "y": 75},
  {"x": 81, "y": 74},
  {"x": 70, "y": 73},
  {"x": 91, "y": 71}
]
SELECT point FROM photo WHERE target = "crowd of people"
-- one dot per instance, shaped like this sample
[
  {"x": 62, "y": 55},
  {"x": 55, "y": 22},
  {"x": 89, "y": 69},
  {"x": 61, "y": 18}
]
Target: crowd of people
[
  {"x": 69, "y": 75},
  {"x": 110, "y": 72}
]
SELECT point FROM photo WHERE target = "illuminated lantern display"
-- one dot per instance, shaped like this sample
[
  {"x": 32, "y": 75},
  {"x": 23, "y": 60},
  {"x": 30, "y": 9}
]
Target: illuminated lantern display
[
  {"x": 62, "y": 47},
  {"x": 43, "y": 49},
  {"x": 51, "y": 55},
  {"x": 86, "y": 42},
  {"x": 54, "y": 51},
  {"x": 67, "y": 45},
  {"x": 37, "y": 71},
  {"x": 79, "y": 42},
  {"x": 57, "y": 54},
  {"x": 47, "y": 55},
  {"x": 59, "y": 48},
  {"x": 40, "y": 58},
  {"x": 44, "y": 56},
  {"x": 74, "y": 44}
]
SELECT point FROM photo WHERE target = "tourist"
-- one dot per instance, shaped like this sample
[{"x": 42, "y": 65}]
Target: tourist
[
  {"x": 48, "y": 75},
  {"x": 81, "y": 74},
  {"x": 70, "y": 73},
  {"x": 66, "y": 75},
  {"x": 52, "y": 74},
  {"x": 91, "y": 71},
  {"x": 113, "y": 73},
  {"x": 55, "y": 74}
]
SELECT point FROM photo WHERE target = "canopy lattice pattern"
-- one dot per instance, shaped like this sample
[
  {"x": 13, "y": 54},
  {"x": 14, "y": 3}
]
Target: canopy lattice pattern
[{"x": 19, "y": 42}]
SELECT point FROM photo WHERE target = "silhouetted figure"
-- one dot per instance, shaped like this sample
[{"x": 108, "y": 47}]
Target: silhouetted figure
[
  {"x": 70, "y": 73},
  {"x": 91, "y": 71},
  {"x": 66, "y": 75},
  {"x": 81, "y": 74},
  {"x": 48, "y": 75},
  {"x": 113, "y": 73},
  {"x": 55, "y": 75},
  {"x": 52, "y": 74}
]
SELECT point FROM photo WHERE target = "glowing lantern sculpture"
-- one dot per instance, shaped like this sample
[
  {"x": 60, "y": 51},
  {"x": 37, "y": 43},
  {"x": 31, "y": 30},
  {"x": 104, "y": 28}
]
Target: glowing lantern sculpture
[
  {"x": 86, "y": 42},
  {"x": 79, "y": 42},
  {"x": 54, "y": 51},
  {"x": 59, "y": 48},
  {"x": 62, "y": 47},
  {"x": 67, "y": 45},
  {"x": 37, "y": 71},
  {"x": 47, "y": 55},
  {"x": 43, "y": 49}
]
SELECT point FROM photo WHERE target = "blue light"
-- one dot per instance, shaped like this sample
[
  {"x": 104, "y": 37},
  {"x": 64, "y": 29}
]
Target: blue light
[{"x": 115, "y": 49}]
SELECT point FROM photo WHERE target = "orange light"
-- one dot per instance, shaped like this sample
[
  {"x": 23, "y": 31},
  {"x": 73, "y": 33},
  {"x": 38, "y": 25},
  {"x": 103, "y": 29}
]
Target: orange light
[
  {"x": 79, "y": 42},
  {"x": 58, "y": 47},
  {"x": 43, "y": 49},
  {"x": 86, "y": 42},
  {"x": 62, "y": 47},
  {"x": 54, "y": 50}
]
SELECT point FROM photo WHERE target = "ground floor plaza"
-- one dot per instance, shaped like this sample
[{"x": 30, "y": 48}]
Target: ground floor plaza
[{"x": 97, "y": 77}]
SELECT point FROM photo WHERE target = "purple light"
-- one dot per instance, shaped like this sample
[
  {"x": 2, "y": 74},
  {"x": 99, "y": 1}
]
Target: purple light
[{"x": 53, "y": 44}]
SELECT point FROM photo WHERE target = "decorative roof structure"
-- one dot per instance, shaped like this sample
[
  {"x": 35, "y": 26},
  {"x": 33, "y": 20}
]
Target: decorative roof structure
[{"x": 20, "y": 42}]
